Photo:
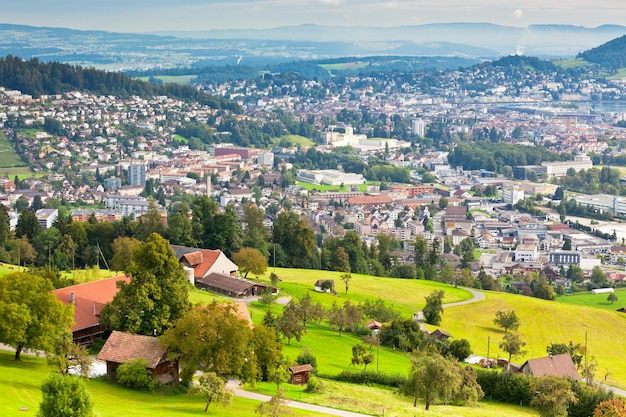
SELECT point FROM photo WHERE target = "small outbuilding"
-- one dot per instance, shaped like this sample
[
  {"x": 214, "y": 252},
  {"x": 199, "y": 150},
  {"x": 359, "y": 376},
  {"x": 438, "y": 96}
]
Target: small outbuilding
[
  {"x": 324, "y": 285},
  {"x": 300, "y": 374},
  {"x": 602, "y": 291},
  {"x": 124, "y": 347}
]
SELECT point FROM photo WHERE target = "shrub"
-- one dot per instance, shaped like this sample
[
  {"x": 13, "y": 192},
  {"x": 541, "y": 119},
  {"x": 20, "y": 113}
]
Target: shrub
[
  {"x": 64, "y": 396},
  {"x": 307, "y": 357},
  {"x": 135, "y": 374},
  {"x": 506, "y": 386},
  {"x": 460, "y": 349},
  {"x": 369, "y": 377},
  {"x": 314, "y": 386},
  {"x": 588, "y": 399}
]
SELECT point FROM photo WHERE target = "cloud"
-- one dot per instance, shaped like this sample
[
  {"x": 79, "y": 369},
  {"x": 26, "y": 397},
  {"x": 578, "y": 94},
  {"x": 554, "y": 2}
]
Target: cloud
[{"x": 518, "y": 13}]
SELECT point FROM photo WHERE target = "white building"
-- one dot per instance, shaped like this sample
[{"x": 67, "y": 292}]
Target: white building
[
  {"x": 265, "y": 158},
  {"x": 512, "y": 195},
  {"x": 559, "y": 169},
  {"x": 46, "y": 217},
  {"x": 137, "y": 175},
  {"x": 526, "y": 252},
  {"x": 418, "y": 127},
  {"x": 330, "y": 177}
]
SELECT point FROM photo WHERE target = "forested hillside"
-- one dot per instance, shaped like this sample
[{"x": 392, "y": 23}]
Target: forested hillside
[
  {"x": 611, "y": 54},
  {"x": 38, "y": 78}
]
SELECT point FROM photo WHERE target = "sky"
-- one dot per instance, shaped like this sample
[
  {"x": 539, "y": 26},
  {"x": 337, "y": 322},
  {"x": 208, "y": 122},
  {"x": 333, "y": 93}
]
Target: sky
[{"x": 197, "y": 15}]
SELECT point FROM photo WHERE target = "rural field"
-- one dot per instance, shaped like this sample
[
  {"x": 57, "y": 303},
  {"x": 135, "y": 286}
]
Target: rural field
[
  {"x": 595, "y": 300},
  {"x": 293, "y": 140}
]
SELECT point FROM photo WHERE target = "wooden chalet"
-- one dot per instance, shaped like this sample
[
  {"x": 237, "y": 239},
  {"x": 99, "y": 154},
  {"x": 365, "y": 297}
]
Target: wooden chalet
[
  {"x": 441, "y": 335},
  {"x": 124, "y": 347},
  {"x": 88, "y": 300},
  {"x": 553, "y": 365},
  {"x": 300, "y": 374},
  {"x": 232, "y": 286}
]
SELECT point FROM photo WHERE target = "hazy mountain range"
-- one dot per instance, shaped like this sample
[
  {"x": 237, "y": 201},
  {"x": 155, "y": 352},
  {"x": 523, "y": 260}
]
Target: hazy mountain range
[
  {"x": 306, "y": 42},
  {"x": 539, "y": 40}
]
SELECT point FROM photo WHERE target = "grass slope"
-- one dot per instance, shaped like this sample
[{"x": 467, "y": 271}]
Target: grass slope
[
  {"x": 595, "y": 300},
  {"x": 544, "y": 322},
  {"x": 20, "y": 383},
  {"x": 293, "y": 140}
]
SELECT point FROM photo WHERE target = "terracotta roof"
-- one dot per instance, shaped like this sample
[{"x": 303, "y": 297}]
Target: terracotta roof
[
  {"x": 208, "y": 259},
  {"x": 555, "y": 365},
  {"x": 123, "y": 347},
  {"x": 89, "y": 298},
  {"x": 301, "y": 368},
  {"x": 242, "y": 312},
  {"x": 374, "y": 324},
  {"x": 370, "y": 199},
  {"x": 194, "y": 258}
]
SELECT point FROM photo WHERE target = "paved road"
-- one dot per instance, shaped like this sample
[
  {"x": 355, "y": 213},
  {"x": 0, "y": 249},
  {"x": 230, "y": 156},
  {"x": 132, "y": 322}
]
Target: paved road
[
  {"x": 294, "y": 404},
  {"x": 476, "y": 297}
]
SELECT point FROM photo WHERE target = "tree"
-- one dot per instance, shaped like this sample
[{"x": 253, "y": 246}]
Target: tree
[
  {"x": 403, "y": 334},
  {"x": 64, "y": 396},
  {"x": 346, "y": 280},
  {"x": 256, "y": 234},
  {"x": 180, "y": 228},
  {"x": 611, "y": 298},
  {"x": 432, "y": 377},
  {"x": 31, "y": 316},
  {"x": 460, "y": 349},
  {"x": 340, "y": 260},
  {"x": 250, "y": 260},
  {"x": 306, "y": 310},
  {"x": 289, "y": 324},
  {"x": 434, "y": 307},
  {"x": 553, "y": 396},
  {"x": 345, "y": 316},
  {"x": 267, "y": 350},
  {"x": 27, "y": 225},
  {"x": 275, "y": 407},
  {"x": 67, "y": 356},
  {"x": 156, "y": 295},
  {"x": 598, "y": 277},
  {"x": 361, "y": 356},
  {"x": 575, "y": 351},
  {"x": 615, "y": 407},
  {"x": 297, "y": 241},
  {"x": 567, "y": 244},
  {"x": 511, "y": 344},
  {"x": 198, "y": 343},
  {"x": 213, "y": 388},
  {"x": 123, "y": 248},
  {"x": 558, "y": 194},
  {"x": 507, "y": 320}
]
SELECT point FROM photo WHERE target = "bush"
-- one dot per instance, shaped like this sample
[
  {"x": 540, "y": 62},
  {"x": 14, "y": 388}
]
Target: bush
[
  {"x": 588, "y": 399},
  {"x": 306, "y": 357},
  {"x": 64, "y": 396},
  {"x": 460, "y": 349},
  {"x": 506, "y": 386},
  {"x": 135, "y": 374},
  {"x": 368, "y": 377},
  {"x": 314, "y": 386}
]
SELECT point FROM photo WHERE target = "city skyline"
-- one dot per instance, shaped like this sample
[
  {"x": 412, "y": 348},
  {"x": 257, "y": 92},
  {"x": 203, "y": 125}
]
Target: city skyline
[{"x": 199, "y": 15}]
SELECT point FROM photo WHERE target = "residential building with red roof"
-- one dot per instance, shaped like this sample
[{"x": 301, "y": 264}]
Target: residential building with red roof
[{"x": 88, "y": 300}]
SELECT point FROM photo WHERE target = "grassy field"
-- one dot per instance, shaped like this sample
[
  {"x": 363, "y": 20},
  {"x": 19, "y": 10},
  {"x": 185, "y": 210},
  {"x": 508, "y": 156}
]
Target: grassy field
[
  {"x": 293, "y": 140},
  {"x": 621, "y": 73},
  {"x": 595, "y": 300},
  {"x": 8, "y": 157},
  {"x": 174, "y": 79},
  {"x": 21, "y": 381},
  {"x": 544, "y": 322},
  {"x": 297, "y": 282},
  {"x": 569, "y": 63},
  {"x": 386, "y": 402},
  {"x": 345, "y": 66},
  {"x": 309, "y": 186}
]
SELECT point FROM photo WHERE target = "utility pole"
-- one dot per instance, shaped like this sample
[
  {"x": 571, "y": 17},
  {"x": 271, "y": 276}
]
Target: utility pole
[{"x": 488, "y": 345}]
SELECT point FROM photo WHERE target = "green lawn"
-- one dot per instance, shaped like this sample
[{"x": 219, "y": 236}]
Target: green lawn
[
  {"x": 569, "y": 63},
  {"x": 544, "y": 322},
  {"x": 595, "y": 300},
  {"x": 293, "y": 140},
  {"x": 309, "y": 186},
  {"x": 20, "y": 383},
  {"x": 380, "y": 401},
  {"x": 8, "y": 157},
  {"x": 621, "y": 73}
]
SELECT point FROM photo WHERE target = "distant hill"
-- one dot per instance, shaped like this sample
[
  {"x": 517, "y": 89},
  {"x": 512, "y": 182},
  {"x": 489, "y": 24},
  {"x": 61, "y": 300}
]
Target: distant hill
[
  {"x": 549, "y": 40},
  {"x": 611, "y": 54},
  {"x": 47, "y": 78}
]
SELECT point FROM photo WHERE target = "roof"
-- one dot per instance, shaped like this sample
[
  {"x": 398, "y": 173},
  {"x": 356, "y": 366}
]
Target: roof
[
  {"x": 201, "y": 260},
  {"x": 321, "y": 282},
  {"x": 554, "y": 365},
  {"x": 242, "y": 312},
  {"x": 301, "y": 368},
  {"x": 123, "y": 347},
  {"x": 374, "y": 324},
  {"x": 89, "y": 298},
  {"x": 227, "y": 283}
]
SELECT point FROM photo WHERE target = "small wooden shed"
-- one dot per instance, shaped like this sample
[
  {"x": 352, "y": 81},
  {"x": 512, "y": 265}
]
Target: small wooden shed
[{"x": 300, "y": 374}]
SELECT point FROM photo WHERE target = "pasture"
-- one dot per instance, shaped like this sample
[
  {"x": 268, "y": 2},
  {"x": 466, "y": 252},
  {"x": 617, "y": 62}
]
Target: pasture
[
  {"x": 293, "y": 140},
  {"x": 595, "y": 300}
]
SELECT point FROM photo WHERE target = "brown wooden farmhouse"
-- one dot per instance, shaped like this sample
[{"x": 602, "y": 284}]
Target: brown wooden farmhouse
[
  {"x": 124, "y": 347},
  {"x": 300, "y": 374}
]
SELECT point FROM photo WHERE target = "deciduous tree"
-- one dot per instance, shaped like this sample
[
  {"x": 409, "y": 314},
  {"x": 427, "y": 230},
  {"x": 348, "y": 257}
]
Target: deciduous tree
[
  {"x": 156, "y": 295},
  {"x": 213, "y": 388},
  {"x": 434, "y": 307},
  {"x": 432, "y": 377},
  {"x": 511, "y": 344},
  {"x": 553, "y": 396},
  {"x": 212, "y": 338},
  {"x": 507, "y": 320},
  {"x": 250, "y": 260},
  {"x": 31, "y": 316}
]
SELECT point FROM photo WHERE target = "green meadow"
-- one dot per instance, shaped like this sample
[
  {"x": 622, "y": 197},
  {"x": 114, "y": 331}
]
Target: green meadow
[
  {"x": 293, "y": 140},
  {"x": 595, "y": 300}
]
